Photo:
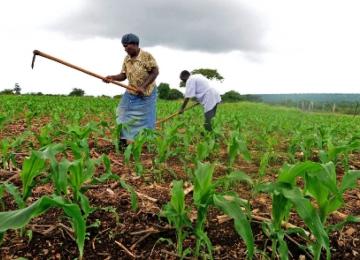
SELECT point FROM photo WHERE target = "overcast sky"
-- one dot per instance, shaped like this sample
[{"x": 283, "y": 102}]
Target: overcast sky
[{"x": 258, "y": 46}]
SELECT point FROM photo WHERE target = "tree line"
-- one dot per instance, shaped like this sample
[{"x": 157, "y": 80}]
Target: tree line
[{"x": 164, "y": 90}]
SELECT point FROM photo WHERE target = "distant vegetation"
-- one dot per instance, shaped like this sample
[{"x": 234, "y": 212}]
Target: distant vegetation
[
  {"x": 341, "y": 103},
  {"x": 233, "y": 96},
  {"x": 77, "y": 92},
  {"x": 15, "y": 91},
  {"x": 167, "y": 93}
]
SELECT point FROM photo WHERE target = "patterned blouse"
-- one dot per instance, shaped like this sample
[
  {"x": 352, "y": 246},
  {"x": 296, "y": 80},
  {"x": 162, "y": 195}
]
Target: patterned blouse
[{"x": 137, "y": 70}]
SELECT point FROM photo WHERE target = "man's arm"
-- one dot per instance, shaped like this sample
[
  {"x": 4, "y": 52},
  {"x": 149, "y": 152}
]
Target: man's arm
[{"x": 186, "y": 100}]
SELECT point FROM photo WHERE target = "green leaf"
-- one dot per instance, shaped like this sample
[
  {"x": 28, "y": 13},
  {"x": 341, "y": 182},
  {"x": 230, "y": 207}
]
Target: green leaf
[
  {"x": 85, "y": 205},
  {"x": 288, "y": 173},
  {"x": 127, "y": 153},
  {"x": 236, "y": 176},
  {"x": 349, "y": 180},
  {"x": 232, "y": 208},
  {"x": 13, "y": 190},
  {"x": 202, "y": 238},
  {"x": 32, "y": 167},
  {"x": 282, "y": 248},
  {"x": 281, "y": 207},
  {"x": 20, "y": 218},
  {"x": 264, "y": 163},
  {"x": 202, "y": 151},
  {"x": 2, "y": 120},
  {"x": 133, "y": 196},
  {"x": 307, "y": 212},
  {"x": 59, "y": 174},
  {"x": 176, "y": 213},
  {"x": 203, "y": 187}
]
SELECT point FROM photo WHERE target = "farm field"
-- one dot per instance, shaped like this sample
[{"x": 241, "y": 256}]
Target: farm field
[{"x": 268, "y": 183}]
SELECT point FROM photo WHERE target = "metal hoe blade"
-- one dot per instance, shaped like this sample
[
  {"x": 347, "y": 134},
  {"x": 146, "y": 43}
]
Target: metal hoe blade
[{"x": 33, "y": 59}]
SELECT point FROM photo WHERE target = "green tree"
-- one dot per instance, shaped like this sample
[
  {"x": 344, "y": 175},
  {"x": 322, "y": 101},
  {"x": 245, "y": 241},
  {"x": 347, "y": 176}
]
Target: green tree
[
  {"x": 77, "y": 92},
  {"x": 175, "y": 94},
  {"x": 232, "y": 96},
  {"x": 209, "y": 73},
  {"x": 17, "y": 89},
  {"x": 7, "y": 92},
  {"x": 163, "y": 90}
]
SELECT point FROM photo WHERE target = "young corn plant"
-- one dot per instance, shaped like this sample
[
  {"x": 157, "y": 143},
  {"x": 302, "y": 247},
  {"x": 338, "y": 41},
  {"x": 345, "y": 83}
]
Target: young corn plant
[
  {"x": 267, "y": 156},
  {"x": 321, "y": 185},
  {"x": 29, "y": 116},
  {"x": 177, "y": 214},
  {"x": 14, "y": 192},
  {"x": 236, "y": 146},
  {"x": 163, "y": 143},
  {"x": 323, "y": 134},
  {"x": 3, "y": 119},
  {"x": 32, "y": 167},
  {"x": 80, "y": 173},
  {"x": 5, "y": 155},
  {"x": 136, "y": 148},
  {"x": 8, "y": 148},
  {"x": 164, "y": 148},
  {"x": 302, "y": 141},
  {"x": 73, "y": 174},
  {"x": 109, "y": 175},
  {"x": 204, "y": 195},
  {"x": 18, "y": 219},
  {"x": 335, "y": 152},
  {"x": 284, "y": 198},
  {"x": 205, "y": 149},
  {"x": 79, "y": 133},
  {"x": 44, "y": 136}
]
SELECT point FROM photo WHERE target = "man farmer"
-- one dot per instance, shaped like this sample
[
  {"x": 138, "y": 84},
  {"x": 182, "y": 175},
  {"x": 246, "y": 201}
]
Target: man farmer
[
  {"x": 137, "y": 109},
  {"x": 198, "y": 86}
]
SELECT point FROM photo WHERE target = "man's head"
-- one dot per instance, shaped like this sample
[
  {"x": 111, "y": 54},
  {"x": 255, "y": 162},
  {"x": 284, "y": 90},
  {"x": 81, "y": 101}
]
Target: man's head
[
  {"x": 131, "y": 44},
  {"x": 184, "y": 75}
]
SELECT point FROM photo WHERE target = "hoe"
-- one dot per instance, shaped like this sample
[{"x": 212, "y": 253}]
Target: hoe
[{"x": 36, "y": 52}]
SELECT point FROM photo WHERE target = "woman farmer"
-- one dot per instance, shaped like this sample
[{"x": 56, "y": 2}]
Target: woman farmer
[{"x": 137, "y": 109}]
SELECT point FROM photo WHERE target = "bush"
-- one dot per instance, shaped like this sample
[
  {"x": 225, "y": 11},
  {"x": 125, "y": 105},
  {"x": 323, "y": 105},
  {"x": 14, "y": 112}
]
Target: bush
[
  {"x": 175, "y": 94},
  {"x": 163, "y": 90},
  {"x": 232, "y": 96},
  {"x": 7, "y": 92},
  {"x": 77, "y": 92}
]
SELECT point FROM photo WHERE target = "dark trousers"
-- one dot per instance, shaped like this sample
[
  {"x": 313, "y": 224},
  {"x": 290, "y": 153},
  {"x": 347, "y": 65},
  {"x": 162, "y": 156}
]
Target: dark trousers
[{"x": 208, "y": 116}]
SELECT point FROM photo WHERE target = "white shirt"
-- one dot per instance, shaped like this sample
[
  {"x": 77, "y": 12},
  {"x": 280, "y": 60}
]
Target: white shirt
[{"x": 198, "y": 86}]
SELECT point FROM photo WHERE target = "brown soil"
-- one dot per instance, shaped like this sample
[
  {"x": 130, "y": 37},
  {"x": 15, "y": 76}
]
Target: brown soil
[{"x": 142, "y": 232}]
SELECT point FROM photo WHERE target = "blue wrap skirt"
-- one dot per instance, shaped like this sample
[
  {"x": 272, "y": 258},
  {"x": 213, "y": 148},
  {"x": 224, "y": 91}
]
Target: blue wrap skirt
[{"x": 136, "y": 113}]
